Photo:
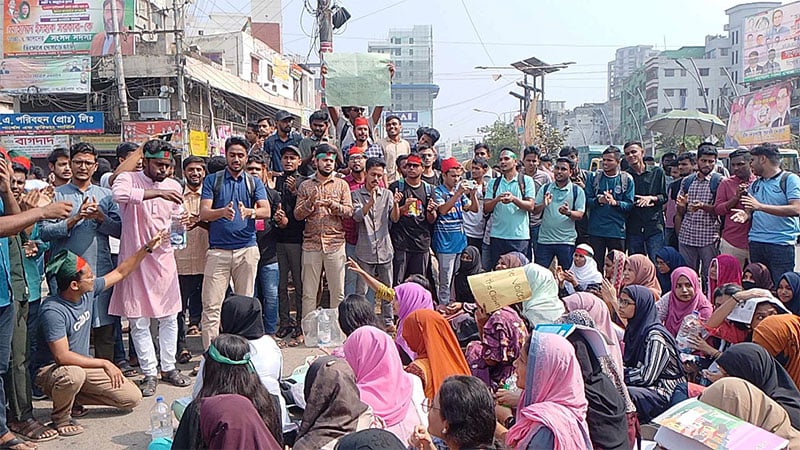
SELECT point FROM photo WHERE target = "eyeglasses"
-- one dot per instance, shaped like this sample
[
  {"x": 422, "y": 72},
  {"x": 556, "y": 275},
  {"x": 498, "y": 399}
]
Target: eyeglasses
[
  {"x": 83, "y": 163},
  {"x": 623, "y": 303},
  {"x": 427, "y": 405},
  {"x": 426, "y": 155}
]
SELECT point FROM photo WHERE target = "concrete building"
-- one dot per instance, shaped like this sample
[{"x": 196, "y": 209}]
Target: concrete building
[
  {"x": 555, "y": 113},
  {"x": 626, "y": 61},
  {"x": 413, "y": 90},
  {"x": 589, "y": 125}
]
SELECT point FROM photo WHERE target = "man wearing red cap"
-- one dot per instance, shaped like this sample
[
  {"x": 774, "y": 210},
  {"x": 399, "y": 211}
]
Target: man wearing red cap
[
  {"x": 368, "y": 149},
  {"x": 356, "y": 180},
  {"x": 449, "y": 239}
]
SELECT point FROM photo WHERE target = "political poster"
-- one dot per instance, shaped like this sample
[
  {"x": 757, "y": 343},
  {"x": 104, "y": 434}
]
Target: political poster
[
  {"x": 21, "y": 124},
  {"x": 357, "y": 79},
  {"x": 34, "y": 146},
  {"x": 57, "y": 27},
  {"x": 46, "y": 75},
  {"x": 143, "y": 131},
  {"x": 771, "y": 43},
  {"x": 760, "y": 116}
]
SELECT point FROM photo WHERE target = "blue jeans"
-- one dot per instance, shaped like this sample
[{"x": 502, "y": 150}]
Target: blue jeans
[
  {"x": 350, "y": 277},
  {"x": 7, "y": 315},
  {"x": 779, "y": 258},
  {"x": 650, "y": 245},
  {"x": 486, "y": 258},
  {"x": 545, "y": 252},
  {"x": 531, "y": 253},
  {"x": 500, "y": 247},
  {"x": 268, "y": 276}
]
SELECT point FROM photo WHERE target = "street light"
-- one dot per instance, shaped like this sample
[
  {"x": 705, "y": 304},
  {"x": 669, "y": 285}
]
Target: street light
[
  {"x": 697, "y": 79},
  {"x": 488, "y": 112}
]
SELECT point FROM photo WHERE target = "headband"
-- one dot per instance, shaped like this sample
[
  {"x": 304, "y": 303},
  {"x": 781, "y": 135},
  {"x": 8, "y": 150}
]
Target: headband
[{"x": 214, "y": 354}]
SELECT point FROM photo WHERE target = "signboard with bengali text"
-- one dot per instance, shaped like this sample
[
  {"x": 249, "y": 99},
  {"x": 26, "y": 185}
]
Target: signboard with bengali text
[
  {"x": 46, "y": 75},
  {"x": 760, "y": 116},
  {"x": 20, "y": 124},
  {"x": 34, "y": 146},
  {"x": 140, "y": 132}
]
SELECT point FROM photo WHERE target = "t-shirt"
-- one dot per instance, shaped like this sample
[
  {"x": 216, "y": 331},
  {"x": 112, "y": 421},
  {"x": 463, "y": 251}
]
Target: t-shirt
[
  {"x": 412, "y": 233},
  {"x": 767, "y": 228},
  {"x": 448, "y": 231},
  {"x": 475, "y": 222},
  {"x": 266, "y": 231},
  {"x": 510, "y": 222},
  {"x": 433, "y": 180},
  {"x": 557, "y": 228},
  {"x": 61, "y": 318},
  {"x": 240, "y": 232}
]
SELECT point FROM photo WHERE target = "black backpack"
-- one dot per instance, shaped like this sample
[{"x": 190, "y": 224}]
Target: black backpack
[{"x": 219, "y": 177}]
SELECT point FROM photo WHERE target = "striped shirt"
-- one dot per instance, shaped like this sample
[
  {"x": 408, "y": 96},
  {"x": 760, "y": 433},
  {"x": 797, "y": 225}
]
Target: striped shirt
[
  {"x": 448, "y": 231},
  {"x": 661, "y": 370}
]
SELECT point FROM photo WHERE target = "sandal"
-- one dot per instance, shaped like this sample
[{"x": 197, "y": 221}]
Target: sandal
[
  {"x": 126, "y": 369},
  {"x": 33, "y": 430},
  {"x": 68, "y": 428},
  {"x": 295, "y": 342},
  {"x": 176, "y": 378},
  {"x": 185, "y": 356},
  {"x": 195, "y": 370},
  {"x": 78, "y": 410},
  {"x": 148, "y": 386},
  {"x": 282, "y": 344},
  {"x": 16, "y": 444},
  {"x": 193, "y": 330},
  {"x": 296, "y": 332},
  {"x": 283, "y": 331}
]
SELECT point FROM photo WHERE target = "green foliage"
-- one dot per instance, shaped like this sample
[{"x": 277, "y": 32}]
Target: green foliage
[
  {"x": 549, "y": 138},
  {"x": 499, "y": 135}
]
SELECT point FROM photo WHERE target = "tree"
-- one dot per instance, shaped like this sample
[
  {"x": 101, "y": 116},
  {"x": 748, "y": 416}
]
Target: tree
[
  {"x": 549, "y": 138},
  {"x": 499, "y": 135}
]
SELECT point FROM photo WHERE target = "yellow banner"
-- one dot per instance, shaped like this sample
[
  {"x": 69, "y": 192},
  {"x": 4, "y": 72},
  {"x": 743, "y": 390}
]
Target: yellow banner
[
  {"x": 494, "y": 290},
  {"x": 198, "y": 143}
]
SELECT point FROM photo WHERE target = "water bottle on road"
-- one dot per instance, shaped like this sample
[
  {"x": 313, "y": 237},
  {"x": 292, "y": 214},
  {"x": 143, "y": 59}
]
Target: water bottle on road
[{"x": 160, "y": 420}]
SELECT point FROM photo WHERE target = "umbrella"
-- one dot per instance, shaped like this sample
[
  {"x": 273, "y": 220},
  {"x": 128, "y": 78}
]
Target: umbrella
[{"x": 692, "y": 122}]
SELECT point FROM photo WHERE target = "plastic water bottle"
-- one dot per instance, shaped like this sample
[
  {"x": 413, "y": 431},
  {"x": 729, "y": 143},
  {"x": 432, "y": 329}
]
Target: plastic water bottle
[
  {"x": 691, "y": 326},
  {"x": 177, "y": 232},
  {"x": 323, "y": 328},
  {"x": 160, "y": 420},
  {"x": 511, "y": 383}
]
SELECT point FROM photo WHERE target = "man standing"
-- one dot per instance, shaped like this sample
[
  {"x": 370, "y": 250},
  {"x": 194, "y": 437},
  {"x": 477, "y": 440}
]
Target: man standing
[
  {"x": 266, "y": 126},
  {"x": 191, "y": 260},
  {"x": 231, "y": 202},
  {"x": 610, "y": 196},
  {"x": 475, "y": 222},
  {"x": 509, "y": 199},
  {"x": 687, "y": 164},
  {"x": 319, "y": 122},
  {"x": 699, "y": 232},
  {"x": 561, "y": 204},
  {"x": 449, "y": 240},
  {"x": 393, "y": 145},
  {"x": 123, "y": 151},
  {"x": 427, "y": 155},
  {"x": 773, "y": 206},
  {"x": 323, "y": 202},
  {"x": 362, "y": 143},
  {"x": 95, "y": 218},
  {"x": 355, "y": 180},
  {"x": 148, "y": 200},
  {"x": 251, "y": 134},
  {"x": 729, "y": 197},
  {"x": 411, "y": 232},
  {"x": 530, "y": 162},
  {"x": 58, "y": 161},
  {"x": 645, "y": 224},
  {"x": 373, "y": 208},
  {"x": 282, "y": 137},
  {"x": 289, "y": 236},
  {"x": 345, "y": 122}
]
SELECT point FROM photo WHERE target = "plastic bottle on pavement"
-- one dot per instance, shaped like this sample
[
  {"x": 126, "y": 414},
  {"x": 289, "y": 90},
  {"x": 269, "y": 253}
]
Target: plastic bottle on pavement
[
  {"x": 691, "y": 326},
  {"x": 160, "y": 420},
  {"x": 323, "y": 328}
]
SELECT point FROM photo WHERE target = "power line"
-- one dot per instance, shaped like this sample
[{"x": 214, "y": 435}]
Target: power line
[
  {"x": 477, "y": 34},
  {"x": 476, "y": 97},
  {"x": 377, "y": 11}
]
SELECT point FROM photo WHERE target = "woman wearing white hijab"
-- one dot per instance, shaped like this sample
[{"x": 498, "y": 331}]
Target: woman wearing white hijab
[{"x": 583, "y": 272}]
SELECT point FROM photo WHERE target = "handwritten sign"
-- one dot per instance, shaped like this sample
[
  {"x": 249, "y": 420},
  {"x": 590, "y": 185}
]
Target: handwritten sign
[
  {"x": 198, "y": 143},
  {"x": 494, "y": 290},
  {"x": 357, "y": 79}
]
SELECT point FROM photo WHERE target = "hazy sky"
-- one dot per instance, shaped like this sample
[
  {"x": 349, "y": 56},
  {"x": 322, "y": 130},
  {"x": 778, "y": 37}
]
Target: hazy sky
[{"x": 586, "y": 32}]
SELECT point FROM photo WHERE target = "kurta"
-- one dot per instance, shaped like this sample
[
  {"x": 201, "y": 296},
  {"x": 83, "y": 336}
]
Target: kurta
[
  {"x": 152, "y": 289},
  {"x": 87, "y": 238}
]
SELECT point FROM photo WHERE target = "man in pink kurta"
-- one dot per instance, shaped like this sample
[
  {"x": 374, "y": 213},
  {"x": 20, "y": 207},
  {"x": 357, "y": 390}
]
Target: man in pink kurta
[{"x": 147, "y": 202}]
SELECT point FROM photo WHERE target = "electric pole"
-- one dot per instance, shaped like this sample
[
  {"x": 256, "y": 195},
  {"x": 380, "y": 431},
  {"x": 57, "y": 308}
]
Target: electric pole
[
  {"x": 325, "y": 21},
  {"x": 177, "y": 6},
  {"x": 122, "y": 88}
]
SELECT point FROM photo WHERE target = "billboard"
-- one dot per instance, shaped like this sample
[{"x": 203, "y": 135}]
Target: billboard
[
  {"x": 47, "y": 75},
  {"x": 20, "y": 124},
  {"x": 771, "y": 43},
  {"x": 58, "y": 27},
  {"x": 34, "y": 146},
  {"x": 760, "y": 116},
  {"x": 139, "y": 132}
]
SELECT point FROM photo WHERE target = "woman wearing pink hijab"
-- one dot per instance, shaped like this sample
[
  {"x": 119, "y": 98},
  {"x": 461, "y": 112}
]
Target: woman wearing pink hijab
[
  {"x": 598, "y": 311},
  {"x": 685, "y": 297},
  {"x": 393, "y": 394}
]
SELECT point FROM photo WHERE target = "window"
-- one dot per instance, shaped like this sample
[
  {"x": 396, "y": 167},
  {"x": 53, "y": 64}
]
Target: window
[
  {"x": 701, "y": 92},
  {"x": 411, "y": 40},
  {"x": 724, "y": 51},
  {"x": 669, "y": 72},
  {"x": 704, "y": 72},
  {"x": 682, "y": 92},
  {"x": 410, "y": 52},
  {"x": 669, "y": 92},
  {"x": 397, "y": 52},
  {"x": 270, "y": 73},
  {"x": 683, "y": 72}
]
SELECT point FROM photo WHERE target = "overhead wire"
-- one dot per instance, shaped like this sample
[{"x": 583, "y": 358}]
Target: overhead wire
[
  {"x": 477, "y": 34},
  {"x": 377, "y": 11}
]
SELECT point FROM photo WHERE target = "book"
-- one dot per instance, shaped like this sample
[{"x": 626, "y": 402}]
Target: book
[
  {"x": 694, "y": 425},
  {"x": 594, "y": 337},
  {"x": 743, "y": 312}
]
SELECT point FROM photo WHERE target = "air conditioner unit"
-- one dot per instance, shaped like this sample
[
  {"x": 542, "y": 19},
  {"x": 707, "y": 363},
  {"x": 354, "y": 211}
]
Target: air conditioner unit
[{"x": 154, "y": 108}]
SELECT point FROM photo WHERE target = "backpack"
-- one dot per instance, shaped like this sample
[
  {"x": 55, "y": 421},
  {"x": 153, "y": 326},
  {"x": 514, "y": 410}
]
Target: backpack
[
  {"x": 401, "y": 186},
  {"x": 784, "y": 176},
  {"x": 716, "y": 179},
  {"x": 625, "y": 179},
  {"x": 219, "y": 177},
  {"x": 546, "y": 188},
  {"x": 520, "y": 181}
]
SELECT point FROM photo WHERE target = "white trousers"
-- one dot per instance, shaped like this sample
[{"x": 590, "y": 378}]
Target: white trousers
[{"x": 167, "y": 343}]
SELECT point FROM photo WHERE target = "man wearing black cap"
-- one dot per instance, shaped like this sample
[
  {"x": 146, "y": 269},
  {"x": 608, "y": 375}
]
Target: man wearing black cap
[{"x": 282, "y": 137}]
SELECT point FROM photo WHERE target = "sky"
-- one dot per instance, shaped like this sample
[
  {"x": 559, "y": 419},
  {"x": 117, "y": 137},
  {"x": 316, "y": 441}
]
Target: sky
[{"x": 587, "y": 32}]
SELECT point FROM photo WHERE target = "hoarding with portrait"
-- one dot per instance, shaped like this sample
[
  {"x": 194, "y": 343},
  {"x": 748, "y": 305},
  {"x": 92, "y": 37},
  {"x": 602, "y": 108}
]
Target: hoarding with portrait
[
  {"x": 760, "y": 116},
  {"x": 771, "y": 43}
]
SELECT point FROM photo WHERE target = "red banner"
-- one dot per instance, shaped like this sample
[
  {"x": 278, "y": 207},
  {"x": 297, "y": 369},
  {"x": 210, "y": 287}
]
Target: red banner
[{"x": 139, "y": 132}]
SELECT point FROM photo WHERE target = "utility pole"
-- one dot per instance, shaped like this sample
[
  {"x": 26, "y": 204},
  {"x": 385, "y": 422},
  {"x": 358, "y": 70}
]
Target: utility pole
[
  {"x": 122, "y": 88},
  {"x": 177, "y": 6},
  {"x": 325, "y": 21}
]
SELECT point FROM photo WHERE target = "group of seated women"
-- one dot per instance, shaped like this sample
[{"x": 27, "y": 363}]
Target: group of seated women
[{"x": 414, "y": 384}]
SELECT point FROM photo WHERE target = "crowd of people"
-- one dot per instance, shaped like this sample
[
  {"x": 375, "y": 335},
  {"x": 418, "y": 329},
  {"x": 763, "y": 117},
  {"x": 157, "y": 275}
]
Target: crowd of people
[{"x": 389, "y": 234}]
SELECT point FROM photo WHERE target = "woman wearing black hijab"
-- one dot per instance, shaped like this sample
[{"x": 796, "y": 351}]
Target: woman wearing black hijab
[
  {"x": 470, "y": 264},
  {"x": 751, "y": 362}
]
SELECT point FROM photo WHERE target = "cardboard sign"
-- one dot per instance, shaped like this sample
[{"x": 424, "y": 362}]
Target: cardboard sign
[
  {"x": 494, "y": 290},
  {"x": 358, "y": 79}
]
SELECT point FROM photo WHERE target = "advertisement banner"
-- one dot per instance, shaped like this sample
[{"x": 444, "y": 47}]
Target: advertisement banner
[
  {"x": 760, "y": 116},
  {"x": 34, "y": 146},
  {"x": 104, "y": 143},
  {"x": 198, "y": 143},
  {"x": 21, "y": 124},
  {"x": 46, "y": 75},
  {"x": 772, "y": 43},
  {"x": 57, "y": 27},
  {"x": 140, "y": 132}
]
